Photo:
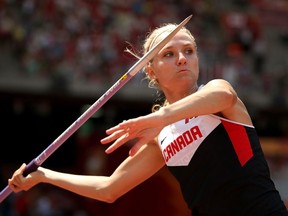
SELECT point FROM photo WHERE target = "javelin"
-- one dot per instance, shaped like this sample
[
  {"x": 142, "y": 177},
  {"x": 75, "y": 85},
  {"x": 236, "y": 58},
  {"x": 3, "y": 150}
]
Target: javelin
[{"x": 35, "y": 163}]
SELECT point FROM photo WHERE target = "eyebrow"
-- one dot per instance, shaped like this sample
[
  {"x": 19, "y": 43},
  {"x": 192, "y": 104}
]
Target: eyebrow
[{"x": 185, "y": 45}]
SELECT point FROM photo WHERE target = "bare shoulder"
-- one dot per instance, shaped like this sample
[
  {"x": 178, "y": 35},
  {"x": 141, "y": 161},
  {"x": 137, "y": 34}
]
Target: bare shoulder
[
  {"x": 233, "y": 107},
  {"x": 238, "y": 112}
]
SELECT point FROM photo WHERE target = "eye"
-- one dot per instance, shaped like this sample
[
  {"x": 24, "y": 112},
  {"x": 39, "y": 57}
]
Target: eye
[
  {"x": 168, "y": 54},
  {"x": 189, "y": 51}
]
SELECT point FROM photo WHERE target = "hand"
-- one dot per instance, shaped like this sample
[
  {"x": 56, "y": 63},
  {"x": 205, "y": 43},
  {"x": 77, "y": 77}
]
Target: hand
[
  {"x": 18, "y": 182},
  {"x": 143, "y": 129}
]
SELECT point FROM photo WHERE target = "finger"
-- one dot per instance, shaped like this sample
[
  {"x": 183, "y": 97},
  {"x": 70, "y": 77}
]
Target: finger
[
  {"x": 119, "y": 142},
  {"x": 20, "y": 171},
  {"x": 125, "y": 125},
  {"x": 112, "y": 137},
  {"x": 113, "y": 129},
  {"x": 17, "y": 176},
  {"x": 22, "y": 168},
  {"x": 14, "y": 187}
]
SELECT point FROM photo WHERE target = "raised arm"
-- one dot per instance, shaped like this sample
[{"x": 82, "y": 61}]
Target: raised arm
[
  {"x": 216, "y": 97},
  {"x": 130, "y": 173}
]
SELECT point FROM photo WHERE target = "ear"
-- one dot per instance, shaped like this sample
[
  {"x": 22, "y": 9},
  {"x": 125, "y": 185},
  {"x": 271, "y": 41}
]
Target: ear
[{"x": 150, "y": 72}]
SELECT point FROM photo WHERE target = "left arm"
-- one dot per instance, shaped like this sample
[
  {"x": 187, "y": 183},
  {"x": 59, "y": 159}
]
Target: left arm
[
  {"x": 217, "y": 96},
  {"x": 130, "y": 173}
]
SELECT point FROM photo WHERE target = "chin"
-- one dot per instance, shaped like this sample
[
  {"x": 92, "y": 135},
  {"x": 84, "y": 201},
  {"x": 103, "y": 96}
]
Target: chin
[{"x": 188, "y": 80}]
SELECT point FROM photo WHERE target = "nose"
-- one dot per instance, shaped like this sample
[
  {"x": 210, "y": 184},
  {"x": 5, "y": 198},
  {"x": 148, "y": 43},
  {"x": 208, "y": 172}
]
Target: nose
[{"x": 181, "y": 59}]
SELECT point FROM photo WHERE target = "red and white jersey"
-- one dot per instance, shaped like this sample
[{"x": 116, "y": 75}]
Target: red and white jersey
[
  {"x": 220, "y": 167},
  {"x": 179, "y": 141}
]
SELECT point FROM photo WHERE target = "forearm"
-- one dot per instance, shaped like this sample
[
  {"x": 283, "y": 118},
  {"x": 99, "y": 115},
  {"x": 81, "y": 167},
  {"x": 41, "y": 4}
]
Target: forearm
[
  {"x": 130, "y": 173},
  {"x": 215, "y": 97},
  {"x": 88, "y": 186}
]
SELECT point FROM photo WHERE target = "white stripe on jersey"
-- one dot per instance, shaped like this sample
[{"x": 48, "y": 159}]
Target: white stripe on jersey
[{"x": 179, "y": 141}]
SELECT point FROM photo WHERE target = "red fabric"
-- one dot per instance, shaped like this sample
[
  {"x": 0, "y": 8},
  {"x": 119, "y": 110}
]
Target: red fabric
[{"x": 240, "y": 141}]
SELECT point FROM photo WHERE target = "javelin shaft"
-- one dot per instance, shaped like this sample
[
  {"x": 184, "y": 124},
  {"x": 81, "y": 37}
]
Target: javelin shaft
[{"x": 35, "y": 163}]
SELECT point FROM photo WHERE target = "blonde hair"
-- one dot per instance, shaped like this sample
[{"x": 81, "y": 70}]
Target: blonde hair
[{"x": 148, "y": 44}]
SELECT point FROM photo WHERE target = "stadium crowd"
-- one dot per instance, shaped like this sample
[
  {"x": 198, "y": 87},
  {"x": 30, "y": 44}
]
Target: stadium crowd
[{"x": 83, "y": 40}]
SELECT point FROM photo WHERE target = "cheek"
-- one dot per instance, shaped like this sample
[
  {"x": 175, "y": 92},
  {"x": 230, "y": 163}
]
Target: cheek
[
  {"x": 167, "y": 65},
  {"x": 163, "y": 72},
  {"x": 195, "y": 65}
]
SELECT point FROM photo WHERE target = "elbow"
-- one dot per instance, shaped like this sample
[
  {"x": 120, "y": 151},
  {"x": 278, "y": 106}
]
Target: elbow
[
  {"x": 109, "y": 190},
  {"x": 231, "y": 97},
  {"x": 110, "y": 198},
  {"x": 107, "y": 195},
  {"x": 225, "y": 91}
]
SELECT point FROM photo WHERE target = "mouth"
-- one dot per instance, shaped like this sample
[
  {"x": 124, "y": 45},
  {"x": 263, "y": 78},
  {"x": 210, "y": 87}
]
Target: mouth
[{"x": 183, "y": 71}]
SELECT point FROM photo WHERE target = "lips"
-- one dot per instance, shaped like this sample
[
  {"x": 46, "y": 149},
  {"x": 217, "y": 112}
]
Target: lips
[{"x": 183, "y": 70}]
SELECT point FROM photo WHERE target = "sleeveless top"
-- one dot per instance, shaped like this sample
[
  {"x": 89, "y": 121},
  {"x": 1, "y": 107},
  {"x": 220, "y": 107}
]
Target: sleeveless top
[{"x": 220, "y": 167}]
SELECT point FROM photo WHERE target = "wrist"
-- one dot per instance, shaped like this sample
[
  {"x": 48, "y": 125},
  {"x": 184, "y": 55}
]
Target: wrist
[
  {"x": 41, "y": 175},
  {"x": 163, "y": 117}
]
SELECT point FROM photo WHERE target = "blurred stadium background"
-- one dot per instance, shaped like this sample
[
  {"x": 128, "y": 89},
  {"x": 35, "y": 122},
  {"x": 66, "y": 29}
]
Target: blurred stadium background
[{"x": 59, "y": 57}]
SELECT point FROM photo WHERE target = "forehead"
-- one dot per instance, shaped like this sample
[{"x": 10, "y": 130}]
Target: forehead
[{"x": 181, "y": 38}]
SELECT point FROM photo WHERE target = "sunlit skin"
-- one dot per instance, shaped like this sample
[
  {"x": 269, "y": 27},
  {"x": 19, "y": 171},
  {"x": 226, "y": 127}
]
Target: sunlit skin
[{"x": 176, "y": 67}]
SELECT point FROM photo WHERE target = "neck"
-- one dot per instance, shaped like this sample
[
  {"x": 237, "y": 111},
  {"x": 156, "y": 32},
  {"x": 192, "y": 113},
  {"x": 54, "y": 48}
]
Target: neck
[{"x": 172, "y": 95}]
